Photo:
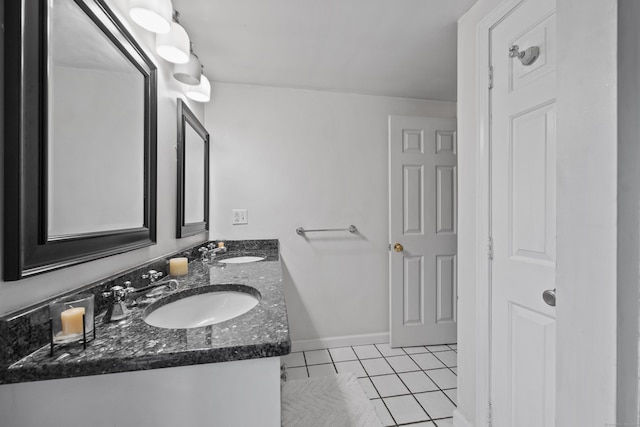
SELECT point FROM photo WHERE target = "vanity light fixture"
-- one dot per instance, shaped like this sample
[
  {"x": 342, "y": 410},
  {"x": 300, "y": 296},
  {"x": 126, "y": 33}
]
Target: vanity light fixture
[
  {"x": 201, "y": 92},
  {"x": 174, "y": 46},
  {"x": 190, "y": 72},
  {"x": 152, "y": 15}
]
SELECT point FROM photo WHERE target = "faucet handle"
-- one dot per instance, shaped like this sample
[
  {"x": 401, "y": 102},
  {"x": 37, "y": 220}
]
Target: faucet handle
[
  {"x": 204, "y": 254},
  {"x": 117, "y": 293},
  {"x": 152, "y": 275},
  {"x": 128, "y": 288}
]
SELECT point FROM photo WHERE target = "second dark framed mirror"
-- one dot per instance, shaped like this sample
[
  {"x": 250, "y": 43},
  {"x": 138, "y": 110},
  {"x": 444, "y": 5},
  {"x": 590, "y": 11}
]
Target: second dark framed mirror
[{"x": 193, "y": 174}]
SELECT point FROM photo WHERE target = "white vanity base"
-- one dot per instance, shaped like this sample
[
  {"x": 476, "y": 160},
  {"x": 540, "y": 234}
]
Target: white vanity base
[{"x": 227, "y": 394}]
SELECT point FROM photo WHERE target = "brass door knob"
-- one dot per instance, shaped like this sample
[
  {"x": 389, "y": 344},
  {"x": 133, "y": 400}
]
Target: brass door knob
[{"x": 398, "y": 247}]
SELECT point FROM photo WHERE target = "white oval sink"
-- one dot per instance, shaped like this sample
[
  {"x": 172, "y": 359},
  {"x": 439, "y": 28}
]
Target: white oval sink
[
  {"x": 202, "y": 309},
  {"x": 242, "y": 259}
]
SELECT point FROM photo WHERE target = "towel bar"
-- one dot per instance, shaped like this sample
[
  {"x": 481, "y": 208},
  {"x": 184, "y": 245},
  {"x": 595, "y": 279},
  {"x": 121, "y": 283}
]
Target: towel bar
[{"x": 351, "y": 229}]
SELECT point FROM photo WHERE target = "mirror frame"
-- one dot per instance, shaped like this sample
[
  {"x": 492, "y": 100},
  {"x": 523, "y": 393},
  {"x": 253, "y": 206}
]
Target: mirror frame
[
  {"x": 186, "y": 117},
  {"x": 28, "y": 250}
]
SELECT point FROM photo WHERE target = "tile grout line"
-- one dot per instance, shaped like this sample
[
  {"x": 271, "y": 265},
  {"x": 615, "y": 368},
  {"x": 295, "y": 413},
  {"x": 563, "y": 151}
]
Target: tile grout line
[
  {"x": 449, "y": 368},
  {"x": 396, "y": 374},
  {"x": 437, "y": 385},
  {"x": 440, "y": 360},
  {"x": 374, "y": 386},
  {"x": 333, "y": 363},
  {"x": 306, "y": 367},
  {"x": 407, "y": 387},
  {"x": 418, "y": 370},
  {"x": 433, "y": 369},
  {"x": 412, "y": 394}
]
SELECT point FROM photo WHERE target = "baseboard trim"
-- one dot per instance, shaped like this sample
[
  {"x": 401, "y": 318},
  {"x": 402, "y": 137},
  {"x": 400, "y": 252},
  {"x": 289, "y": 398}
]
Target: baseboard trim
[
  {"x": 459, "y": 420},
  {"x": 344, "y": 341}
]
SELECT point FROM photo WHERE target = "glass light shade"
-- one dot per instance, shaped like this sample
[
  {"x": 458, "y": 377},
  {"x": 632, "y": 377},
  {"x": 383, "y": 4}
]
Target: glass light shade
[
  {"x": 174, "y": 46},
  {"x": 188, "y": 73},
  {"x": 201, "y": 92},
  {"x": 152, "y": 15}
]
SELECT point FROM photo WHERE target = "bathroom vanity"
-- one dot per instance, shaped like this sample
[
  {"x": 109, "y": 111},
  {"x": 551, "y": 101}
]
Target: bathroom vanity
[
  {"x": 135, "y": 374},
  {"x": 132, "y": 373}
]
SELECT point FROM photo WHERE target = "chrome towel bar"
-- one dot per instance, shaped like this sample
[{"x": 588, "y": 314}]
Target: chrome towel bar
[{"x": 351, "y": 229}]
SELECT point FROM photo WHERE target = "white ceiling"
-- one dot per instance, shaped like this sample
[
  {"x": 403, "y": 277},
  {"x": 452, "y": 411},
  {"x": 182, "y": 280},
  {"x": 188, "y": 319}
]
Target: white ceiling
[{"x": 403, "y": 48}]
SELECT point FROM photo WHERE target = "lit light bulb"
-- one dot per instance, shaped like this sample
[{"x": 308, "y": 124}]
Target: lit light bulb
[
  {"x": 201, "y": 92},
  {"x": 152, "y": 15},
  {"x": 174, "y": 46}
]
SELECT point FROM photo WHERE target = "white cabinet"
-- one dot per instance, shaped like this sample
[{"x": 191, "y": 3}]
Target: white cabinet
[{"x": 227, "y": 394}]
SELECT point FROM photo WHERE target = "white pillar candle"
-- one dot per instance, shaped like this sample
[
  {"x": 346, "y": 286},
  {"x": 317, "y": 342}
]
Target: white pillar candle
[
  {"x": 178, "y": 266},
  {"x": 72, "y": 320}
]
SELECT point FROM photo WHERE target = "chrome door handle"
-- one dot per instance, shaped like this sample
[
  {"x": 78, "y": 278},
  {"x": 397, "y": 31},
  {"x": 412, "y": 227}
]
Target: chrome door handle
[
  {"x": 549, "y": 296},
  {"x": 527, "y": 56}
]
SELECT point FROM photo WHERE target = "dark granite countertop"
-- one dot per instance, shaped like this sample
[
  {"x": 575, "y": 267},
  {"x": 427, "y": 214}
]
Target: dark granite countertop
[{"x": 132, "y": 345}]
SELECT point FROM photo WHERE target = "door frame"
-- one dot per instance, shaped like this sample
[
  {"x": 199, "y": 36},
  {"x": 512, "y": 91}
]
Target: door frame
[{"x": 483, "y": 210}]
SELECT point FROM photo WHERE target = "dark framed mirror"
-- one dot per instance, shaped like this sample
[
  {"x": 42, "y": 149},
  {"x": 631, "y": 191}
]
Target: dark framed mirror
[
  {"x": 80, "y": 137},
  {"x": 193, "y": 174}
]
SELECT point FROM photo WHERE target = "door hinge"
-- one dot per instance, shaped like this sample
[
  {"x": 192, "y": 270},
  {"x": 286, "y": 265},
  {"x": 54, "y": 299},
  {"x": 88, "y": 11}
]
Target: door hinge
[
  {"x": 490, "y": 77},
  {"x": 489, "y": 415},
  {"x": 490, "y": 248}
]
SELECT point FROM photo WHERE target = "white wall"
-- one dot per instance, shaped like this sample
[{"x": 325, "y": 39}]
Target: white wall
[
  {"x": 318, "y": 160},
  {"x": 18, "y": 294}
]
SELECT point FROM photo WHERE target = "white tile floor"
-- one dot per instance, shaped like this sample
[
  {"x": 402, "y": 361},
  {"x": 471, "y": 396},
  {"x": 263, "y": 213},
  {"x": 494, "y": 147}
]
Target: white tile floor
[{"x": 412, "y": 386}]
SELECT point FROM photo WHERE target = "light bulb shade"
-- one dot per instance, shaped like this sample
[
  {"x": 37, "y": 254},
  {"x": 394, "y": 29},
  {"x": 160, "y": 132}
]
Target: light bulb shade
[
  {"x": 188, "y": 73},
  {"x": 174, "y": 46},
  {"x": 201, "y": 92},
  {"x": 152, "y": 15}
]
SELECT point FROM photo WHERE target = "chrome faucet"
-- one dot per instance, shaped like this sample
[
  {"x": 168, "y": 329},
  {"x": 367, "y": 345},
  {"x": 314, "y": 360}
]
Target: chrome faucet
[
  {"x": 121, "y": 296},
  {"x": 208, "y": 253},
  {"x": 134, "y": 294},
  {"x": 152, "y": 275},
  {"x": 214, "y": 250},
  {"x": 117, "y": 296},
  {"x": 204, "y": 254}
]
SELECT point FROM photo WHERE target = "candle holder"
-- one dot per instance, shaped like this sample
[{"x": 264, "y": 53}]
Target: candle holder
[{"x": 71, "y": 319}]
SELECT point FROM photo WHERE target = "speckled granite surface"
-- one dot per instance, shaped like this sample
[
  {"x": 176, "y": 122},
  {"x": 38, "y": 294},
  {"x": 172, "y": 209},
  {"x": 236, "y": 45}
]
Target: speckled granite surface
[{"x": 132, "y": 345}]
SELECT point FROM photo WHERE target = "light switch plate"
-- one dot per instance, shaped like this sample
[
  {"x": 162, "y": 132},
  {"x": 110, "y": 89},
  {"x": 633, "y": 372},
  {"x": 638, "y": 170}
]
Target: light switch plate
[{"x": 240, "y": 216}]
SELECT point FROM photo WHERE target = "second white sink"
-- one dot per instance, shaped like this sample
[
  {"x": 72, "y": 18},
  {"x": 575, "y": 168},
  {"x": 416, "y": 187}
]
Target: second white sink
[
  {"x": 202, "y": 309},
  {"x": 241, "y": 259}
]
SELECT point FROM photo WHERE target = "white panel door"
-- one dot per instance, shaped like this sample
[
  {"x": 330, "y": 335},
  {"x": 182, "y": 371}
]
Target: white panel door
[
  {"x": 422, "y": 219},
  {"x": 523, "y": 218}
]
